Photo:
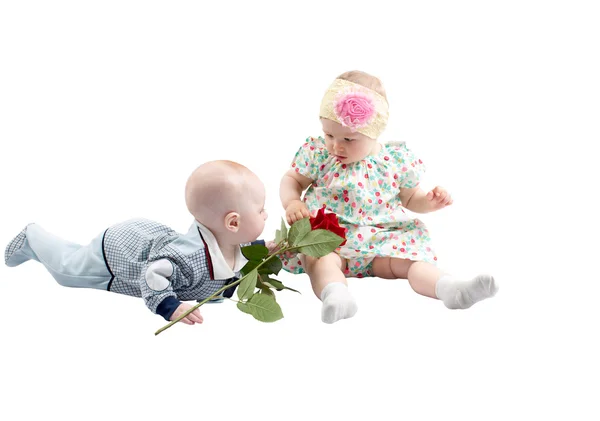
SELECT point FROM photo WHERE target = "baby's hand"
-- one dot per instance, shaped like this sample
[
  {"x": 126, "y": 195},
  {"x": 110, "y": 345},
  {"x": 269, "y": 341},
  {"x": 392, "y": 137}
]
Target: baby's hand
[
  {"x": 272, "y": 246},
  {"x": 273, "y": 249},
  {"x": 439, "y": 198},
  {"x": 192, "y": 318},
  {"x": 296, "y": 211}
]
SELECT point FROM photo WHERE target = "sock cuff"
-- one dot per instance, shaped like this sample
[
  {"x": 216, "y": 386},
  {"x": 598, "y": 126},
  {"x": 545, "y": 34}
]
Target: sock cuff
[
  {"x": 332, "y": 288},
  {"x": 441, "y": 283}
]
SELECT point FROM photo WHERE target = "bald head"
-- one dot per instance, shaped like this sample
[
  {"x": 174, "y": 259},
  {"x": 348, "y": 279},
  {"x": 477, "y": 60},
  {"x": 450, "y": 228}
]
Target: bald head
[{"x": 219, "y": 187}]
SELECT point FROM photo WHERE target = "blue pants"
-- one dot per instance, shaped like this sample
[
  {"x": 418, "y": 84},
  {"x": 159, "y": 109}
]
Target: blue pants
[{"x": 72, "y": 265}]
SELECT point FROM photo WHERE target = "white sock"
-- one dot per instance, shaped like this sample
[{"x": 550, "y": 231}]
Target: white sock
[
  {"x": 463, "y": 294},
  {"x": 338, "y": 303}
]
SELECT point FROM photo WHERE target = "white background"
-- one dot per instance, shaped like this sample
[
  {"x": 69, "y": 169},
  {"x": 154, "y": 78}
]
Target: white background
[{"x": 106, "y": 107}]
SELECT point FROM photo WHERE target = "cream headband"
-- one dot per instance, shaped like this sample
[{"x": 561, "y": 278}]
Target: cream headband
[{"x": 354, "y": 106}]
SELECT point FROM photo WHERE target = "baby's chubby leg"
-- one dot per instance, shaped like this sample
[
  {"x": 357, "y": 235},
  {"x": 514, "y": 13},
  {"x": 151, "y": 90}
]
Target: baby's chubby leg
[
  {"x": 426, "y": 279},
  {"x": 329, "y": 284}
]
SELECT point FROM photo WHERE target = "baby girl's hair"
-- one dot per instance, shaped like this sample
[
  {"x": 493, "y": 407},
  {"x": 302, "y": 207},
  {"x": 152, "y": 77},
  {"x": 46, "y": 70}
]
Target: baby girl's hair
[{"x": 364, "y": 79}]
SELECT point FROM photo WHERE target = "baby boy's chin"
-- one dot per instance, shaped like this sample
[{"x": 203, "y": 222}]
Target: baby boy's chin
[{"x": 249, "y": 237}]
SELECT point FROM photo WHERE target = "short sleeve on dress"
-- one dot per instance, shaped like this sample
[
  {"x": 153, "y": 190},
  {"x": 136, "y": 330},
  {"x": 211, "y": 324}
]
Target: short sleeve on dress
[
  {"x": 409, "y": 168},
  {"x": 310, "y": 158}
]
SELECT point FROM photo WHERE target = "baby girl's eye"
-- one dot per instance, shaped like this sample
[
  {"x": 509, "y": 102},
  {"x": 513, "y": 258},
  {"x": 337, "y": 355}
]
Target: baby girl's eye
[
  {"x": 329, "y": 136},
  {"x": 348, "y": 139}
]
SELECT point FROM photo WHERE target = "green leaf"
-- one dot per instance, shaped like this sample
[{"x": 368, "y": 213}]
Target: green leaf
[
  {"x": 249, "y": 267},
  {"x": 319, "y": 243},
  {"x": 264, "y": 308},
  {"x": 292, "y": 289},
  {"x": 284, "y": 231},
  {"x": 267, "y": 291},
  {"x": 244, "y": 307},
  {"x": 298, "y": 231},
  {"x": 278, "y": 285},
  {"x": 256, "y": 252},
  {"x": 281, "y": 234},
  {"x": 260, "y": 283},
  {"x": 246, "y": 288},
  {"x": 274, "y": 283},
  {"x": 271, "y": 266}
]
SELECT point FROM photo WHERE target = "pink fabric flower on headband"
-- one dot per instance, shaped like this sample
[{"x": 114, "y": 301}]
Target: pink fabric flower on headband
[{"x": 354, "y": 109}]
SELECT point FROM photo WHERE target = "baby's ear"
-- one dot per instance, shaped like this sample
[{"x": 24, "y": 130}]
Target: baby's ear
[{"x": 232, "y": 221}]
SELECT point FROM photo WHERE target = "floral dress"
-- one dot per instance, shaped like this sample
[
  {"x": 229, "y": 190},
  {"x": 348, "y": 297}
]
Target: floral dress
[{"x": 365, "y": 197}]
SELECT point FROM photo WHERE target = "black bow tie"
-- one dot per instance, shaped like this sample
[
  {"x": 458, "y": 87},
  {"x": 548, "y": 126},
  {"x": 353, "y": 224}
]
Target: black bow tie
[{"x": 229, "y": 291}]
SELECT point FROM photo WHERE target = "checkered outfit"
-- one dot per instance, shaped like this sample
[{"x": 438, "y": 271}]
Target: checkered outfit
[{"x": 130, "y": 247}]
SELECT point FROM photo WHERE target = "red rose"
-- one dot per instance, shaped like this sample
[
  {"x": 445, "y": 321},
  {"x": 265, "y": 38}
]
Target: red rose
[{"x": 329, "y": 222}]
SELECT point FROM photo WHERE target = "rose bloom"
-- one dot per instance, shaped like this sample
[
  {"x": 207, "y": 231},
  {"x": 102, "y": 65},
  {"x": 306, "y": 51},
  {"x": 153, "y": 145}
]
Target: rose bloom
[{"x": 329, "y": 222}]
